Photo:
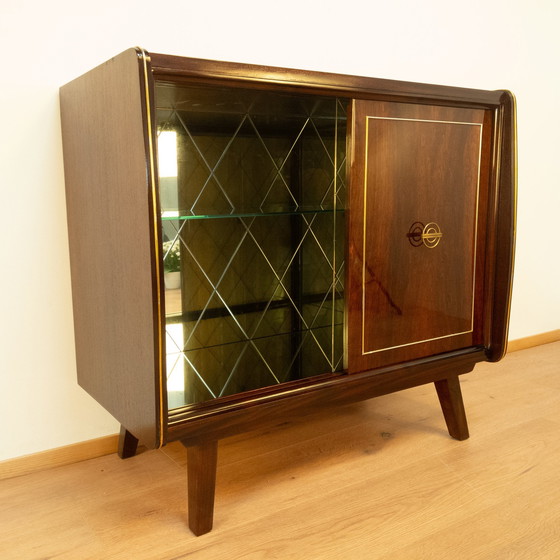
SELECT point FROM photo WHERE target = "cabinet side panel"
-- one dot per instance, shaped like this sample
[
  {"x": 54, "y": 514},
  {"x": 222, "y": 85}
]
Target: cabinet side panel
[
  {"x": 108, "y": 204},
  {"x": 505, "y": 212}
]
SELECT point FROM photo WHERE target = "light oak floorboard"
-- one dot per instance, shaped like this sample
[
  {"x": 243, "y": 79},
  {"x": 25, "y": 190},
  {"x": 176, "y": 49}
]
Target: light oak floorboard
[
  {"x": 66, "y": 455},
  {"x": 376, "y": 480}
]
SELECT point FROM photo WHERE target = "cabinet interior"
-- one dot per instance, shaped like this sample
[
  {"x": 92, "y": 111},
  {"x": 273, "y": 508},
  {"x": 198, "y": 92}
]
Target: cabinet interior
[{"x": 252, "y": 189}]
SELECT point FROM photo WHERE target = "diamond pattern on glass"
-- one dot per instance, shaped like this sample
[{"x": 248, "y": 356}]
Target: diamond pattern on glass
[{"x": 259, "y": 198}]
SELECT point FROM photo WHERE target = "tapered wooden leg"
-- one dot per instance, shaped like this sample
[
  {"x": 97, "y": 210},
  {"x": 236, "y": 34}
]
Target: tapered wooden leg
[
  {"x": 201, "y": 470},
  {"x": 128, "y": 444},
  {"x": 451, "y": 401}
]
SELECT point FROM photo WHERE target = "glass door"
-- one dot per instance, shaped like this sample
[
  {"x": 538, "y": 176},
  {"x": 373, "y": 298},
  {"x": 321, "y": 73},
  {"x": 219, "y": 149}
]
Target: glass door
[{"x": 252, "y": 192}]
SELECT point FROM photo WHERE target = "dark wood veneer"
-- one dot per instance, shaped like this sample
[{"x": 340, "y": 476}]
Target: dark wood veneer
[
  {"x": 451, "y": 401},
  {"x": 504, "y": 220},
  {"x": 233, "y": 418},
  {"x": 111, "y": 245},
  {"x": 202, "y": 461},
  {"x": 424, "y": 164},
  {"x": 177, "y": 68}
]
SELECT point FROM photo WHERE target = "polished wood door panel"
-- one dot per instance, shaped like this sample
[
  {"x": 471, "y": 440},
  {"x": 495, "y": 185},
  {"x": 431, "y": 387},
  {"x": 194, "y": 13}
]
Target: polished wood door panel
[
  {"x": 415, "y": 191},
  {"x": 412, "y": 287}
]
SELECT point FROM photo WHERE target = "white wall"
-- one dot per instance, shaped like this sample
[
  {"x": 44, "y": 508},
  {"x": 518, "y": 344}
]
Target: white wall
[{"x": 487, "y": 44}]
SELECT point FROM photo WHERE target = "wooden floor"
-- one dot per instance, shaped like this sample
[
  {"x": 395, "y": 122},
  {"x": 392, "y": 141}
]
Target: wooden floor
[{"x": 378, "y": 480}]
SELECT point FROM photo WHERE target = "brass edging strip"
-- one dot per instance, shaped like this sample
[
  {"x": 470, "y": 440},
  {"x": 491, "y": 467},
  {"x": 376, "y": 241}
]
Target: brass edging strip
[
  {"x": 364, "y": 221},
  {"x": 418, "y": 342},
  {"x": 155, "y": 220},
  {"x": 422, "y": 120},
  {"x": 481, "y": 125}
]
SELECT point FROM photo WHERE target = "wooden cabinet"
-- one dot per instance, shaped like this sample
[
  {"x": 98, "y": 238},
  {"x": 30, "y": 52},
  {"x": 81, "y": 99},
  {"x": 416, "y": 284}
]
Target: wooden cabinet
[{"x": 249, "y": 244}]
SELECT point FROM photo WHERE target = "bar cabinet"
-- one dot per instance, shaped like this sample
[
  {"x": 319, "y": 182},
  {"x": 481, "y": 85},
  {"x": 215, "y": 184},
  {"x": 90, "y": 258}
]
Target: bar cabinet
[{"x": 252, "y": 244}]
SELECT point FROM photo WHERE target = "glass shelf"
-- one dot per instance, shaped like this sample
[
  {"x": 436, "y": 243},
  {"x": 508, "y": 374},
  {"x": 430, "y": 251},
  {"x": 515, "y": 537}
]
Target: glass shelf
[
  {"x": 175, "y": 315},
  {"x": 299, "y": 333},
  {"x": 253, "y": 213}
]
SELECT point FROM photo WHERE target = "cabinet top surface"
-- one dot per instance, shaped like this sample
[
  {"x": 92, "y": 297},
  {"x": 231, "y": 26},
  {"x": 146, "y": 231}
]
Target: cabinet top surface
[{"x": 174, "y": 67}]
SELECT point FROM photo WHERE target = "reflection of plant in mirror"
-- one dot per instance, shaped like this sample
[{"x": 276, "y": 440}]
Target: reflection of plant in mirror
[{"x": 171, "y": 256}]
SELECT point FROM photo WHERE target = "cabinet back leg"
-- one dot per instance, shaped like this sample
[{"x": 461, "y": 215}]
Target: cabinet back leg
[
  {"x": 451, "y": 401},
  {"x": 202, "y": 462},
  {"x": 128, "y": 444}
]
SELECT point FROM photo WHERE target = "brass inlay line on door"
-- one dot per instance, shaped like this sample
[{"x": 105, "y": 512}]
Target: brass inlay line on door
[{"x": 461, "y": 123}]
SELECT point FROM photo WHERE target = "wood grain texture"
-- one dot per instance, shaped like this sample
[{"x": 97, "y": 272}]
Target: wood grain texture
[
  {"x": 218, "y": 420},
  {"x": 451, "y": 401},
  {"x": 108, "y": 207},
  {"x": 202, "y": 461},
  {"x": 177, "y": 68},
  {"x": 415, "y": 164},
  {"x": 378, "y": 480}
]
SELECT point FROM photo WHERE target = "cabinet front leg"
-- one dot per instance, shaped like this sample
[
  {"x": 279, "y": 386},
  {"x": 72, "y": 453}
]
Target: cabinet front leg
[
  {"x": 128, "y": 444},
  {"x": 451, "y": 401},
  {"x": 201, "y": 471}
]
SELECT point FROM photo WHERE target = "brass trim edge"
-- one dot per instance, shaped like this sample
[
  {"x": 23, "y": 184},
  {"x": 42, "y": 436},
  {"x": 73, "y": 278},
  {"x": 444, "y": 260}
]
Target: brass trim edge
[
  {"x": 421, "y": 120},
  {"x": 476, "y": 224},
  {"x": 418, "y": 342},
  {"x": 153, "y": 192},
  {"x": 364, "y": 221}
]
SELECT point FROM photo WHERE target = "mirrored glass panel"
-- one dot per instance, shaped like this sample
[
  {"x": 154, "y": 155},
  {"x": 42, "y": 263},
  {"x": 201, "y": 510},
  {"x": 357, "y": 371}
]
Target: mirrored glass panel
[{"x": 252, "y": 194}]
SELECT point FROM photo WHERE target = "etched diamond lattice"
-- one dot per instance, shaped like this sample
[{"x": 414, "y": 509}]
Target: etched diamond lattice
[{"x": 259, "y": 221}]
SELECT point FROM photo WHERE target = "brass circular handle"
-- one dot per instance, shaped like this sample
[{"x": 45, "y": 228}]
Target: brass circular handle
[{"x": 431, "y": 235}]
